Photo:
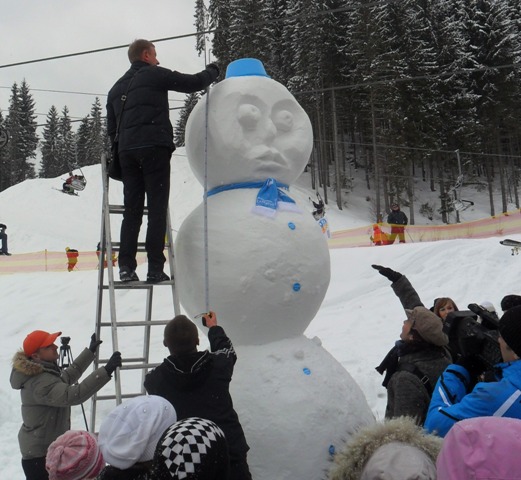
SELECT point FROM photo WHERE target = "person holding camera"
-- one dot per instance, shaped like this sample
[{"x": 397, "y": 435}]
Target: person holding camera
[
  {"x": 197, "y": 383},
  {"x": 456, "y": 395},
  {"x": 47, "y": 394}
]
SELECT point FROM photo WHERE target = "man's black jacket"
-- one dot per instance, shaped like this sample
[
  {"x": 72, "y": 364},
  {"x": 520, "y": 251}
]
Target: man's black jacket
[
  {"x": 197, "y": 385},
  {"x": 145, "y": 121}
]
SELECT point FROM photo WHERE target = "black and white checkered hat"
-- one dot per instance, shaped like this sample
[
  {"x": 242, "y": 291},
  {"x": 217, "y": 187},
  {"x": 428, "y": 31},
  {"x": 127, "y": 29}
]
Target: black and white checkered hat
[{"x": 193, "y": 448}]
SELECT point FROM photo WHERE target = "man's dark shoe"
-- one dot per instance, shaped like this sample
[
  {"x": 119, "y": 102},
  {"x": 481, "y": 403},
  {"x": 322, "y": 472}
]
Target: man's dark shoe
[
  {"x": 8, "y": 254},
  {"x": 128, "y": 276},
  {"x": 156, "y": 277}
]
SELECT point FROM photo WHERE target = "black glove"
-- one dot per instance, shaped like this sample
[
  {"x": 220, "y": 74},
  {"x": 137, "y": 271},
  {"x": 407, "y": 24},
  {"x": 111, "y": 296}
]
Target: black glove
[
  {"x": 94, "y": 343},
  {"x": 388, "y": 273},
  {"x": 472, "y": 365},
  {"x": 113, "y": 363},
  {"x": 213, "y": 70}
]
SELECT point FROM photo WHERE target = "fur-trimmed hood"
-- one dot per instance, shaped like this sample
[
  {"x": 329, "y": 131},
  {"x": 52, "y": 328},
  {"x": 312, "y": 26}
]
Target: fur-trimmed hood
[
  {"x": 350, "y": 464},
  {"x": 25, "y": 368}
]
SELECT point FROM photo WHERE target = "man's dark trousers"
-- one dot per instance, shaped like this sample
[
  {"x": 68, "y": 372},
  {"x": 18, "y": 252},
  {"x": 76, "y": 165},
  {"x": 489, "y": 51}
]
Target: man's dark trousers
[{"x": 144, "y": 171}]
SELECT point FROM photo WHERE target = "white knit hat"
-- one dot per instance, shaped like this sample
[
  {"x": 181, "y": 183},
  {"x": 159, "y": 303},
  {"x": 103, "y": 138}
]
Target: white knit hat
[{"x": 129, "y": 433}]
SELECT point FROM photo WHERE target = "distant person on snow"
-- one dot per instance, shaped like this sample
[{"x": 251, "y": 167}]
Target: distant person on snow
[
  {"x": 319, "y": 208},
  {"x": 141, "y": 125},
  {"x": 72, "y": 258},
  {"x": 197, "y": 383},
  {"x": 398, "y": 220},
  {"x": 68, "y": 186},
  {"x": 48, "y": 393},
  {"x": 3, "y": 237}
]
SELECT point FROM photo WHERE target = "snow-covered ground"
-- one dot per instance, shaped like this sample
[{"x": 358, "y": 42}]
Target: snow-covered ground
[{"x": 358, "y": 322}]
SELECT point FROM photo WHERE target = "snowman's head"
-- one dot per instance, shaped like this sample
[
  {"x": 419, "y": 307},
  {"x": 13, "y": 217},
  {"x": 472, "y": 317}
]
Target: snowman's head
[{"x": 255, "y": 130}]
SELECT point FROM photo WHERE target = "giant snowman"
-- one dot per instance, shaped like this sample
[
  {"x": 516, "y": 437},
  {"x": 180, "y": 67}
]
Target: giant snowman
[{"x": 266, "y": 265}]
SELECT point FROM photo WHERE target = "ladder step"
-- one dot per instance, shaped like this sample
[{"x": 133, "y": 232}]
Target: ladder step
[
  {"x": 137, "y": 285},
  {"x": 137, "y": 366},
  {"x": 139, "y": 323},
  {"x": 113, "y": 397},
  {"x": 121, "y": 209},
  {"x": 140, "y": 246}
]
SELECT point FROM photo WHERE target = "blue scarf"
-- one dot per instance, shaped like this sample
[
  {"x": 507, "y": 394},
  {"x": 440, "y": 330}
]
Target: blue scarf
[{"x": 270, "y": 198}]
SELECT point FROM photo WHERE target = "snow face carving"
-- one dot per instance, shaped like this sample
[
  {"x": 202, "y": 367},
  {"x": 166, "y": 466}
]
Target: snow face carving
[
  {"x": 256, "y": 129},
  {"x": 268, "y": 272}
]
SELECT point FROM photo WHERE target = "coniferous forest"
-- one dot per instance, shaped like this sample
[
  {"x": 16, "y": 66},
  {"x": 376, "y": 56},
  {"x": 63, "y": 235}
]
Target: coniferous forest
[{"x": 407, "y": 91}]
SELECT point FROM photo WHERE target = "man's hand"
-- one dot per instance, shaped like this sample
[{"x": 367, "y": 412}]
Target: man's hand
[
  {"x": 113, "y": 363},
  {"x": 213, "y": 70},
  {"x": 94, "y": 343},
  {"x": 210, "y": 319},
  {"x": 388, "y": 273},
  {"x": 472, "y": 364}
]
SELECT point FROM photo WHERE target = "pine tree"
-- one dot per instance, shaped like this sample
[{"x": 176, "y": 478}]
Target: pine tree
[
  {"x": 91, "y": 138},
  {"x": 220, "y": 17},
  {"x": 21, "y": 126},
  {"x": 201, "y": 25},
  {"x": 66, "y": 143},
  {"x": 82, "y": 142},
  {"x": 50, "y": 167},
  {"x": 3, "y": 156},
  {"x": 180, "y": 126},
  {"x": 97, "y": 134}
]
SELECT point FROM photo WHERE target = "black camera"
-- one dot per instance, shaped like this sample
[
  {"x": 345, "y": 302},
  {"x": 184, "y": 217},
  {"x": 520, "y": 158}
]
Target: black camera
[
  {"x": 65, "y": 340},
  {"x": 470, "y": 337}
]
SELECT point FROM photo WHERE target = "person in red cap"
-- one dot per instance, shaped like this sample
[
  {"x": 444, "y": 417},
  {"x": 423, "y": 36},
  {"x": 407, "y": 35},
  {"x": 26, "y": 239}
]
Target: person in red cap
[{"x": 47, "y": 394}]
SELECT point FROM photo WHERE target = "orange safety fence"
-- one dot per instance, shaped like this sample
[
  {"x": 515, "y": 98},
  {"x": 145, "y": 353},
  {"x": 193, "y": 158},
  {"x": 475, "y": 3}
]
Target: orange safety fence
[
  {"x": 498, "y": 226},
  {"x": 46, "y": 261}
]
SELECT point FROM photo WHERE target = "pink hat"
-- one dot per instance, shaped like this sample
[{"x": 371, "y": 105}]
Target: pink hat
[
  {"x": 481, "y": 448},
  {"x": 75, "y": 455}
]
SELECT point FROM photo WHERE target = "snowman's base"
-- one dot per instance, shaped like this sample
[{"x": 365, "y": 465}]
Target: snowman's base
[{"x": 297, "y": 405}]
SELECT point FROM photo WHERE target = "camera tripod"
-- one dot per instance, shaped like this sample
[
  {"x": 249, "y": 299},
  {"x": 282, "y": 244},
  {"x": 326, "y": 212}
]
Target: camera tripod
[{"x": 65, "y": 360}]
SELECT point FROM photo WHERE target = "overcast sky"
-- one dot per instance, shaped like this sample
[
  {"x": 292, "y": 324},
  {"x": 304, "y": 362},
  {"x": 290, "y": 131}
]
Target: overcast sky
[{"x": 35, "y": 29}]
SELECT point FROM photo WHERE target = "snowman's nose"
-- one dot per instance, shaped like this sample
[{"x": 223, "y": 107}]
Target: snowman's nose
[{"x": 271, "y": 130}]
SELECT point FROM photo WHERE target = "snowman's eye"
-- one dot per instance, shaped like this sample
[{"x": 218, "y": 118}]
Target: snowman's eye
[
  {"x": 283, "y": 120},
  {"x": 248, "y": 115}
]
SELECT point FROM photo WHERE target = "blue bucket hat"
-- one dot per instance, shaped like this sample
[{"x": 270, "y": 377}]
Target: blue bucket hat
[{"x": 244, "y": 67}]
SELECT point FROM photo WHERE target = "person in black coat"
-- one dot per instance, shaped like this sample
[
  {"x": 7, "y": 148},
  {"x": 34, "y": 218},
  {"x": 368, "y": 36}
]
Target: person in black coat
[
  {"x": 3, "y": 238},
  {"x": 138, "y": 120},
  {"x": 398, "y": 221},
  {"x": 197, "y": 383}
]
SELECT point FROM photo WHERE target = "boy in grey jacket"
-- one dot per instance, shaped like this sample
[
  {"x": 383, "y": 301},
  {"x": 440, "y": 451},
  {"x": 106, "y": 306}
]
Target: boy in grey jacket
[{"x": 48, "y": 393}]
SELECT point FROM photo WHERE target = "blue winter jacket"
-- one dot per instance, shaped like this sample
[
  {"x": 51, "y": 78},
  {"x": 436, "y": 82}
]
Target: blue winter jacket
[{"x": 450, "y": 402}]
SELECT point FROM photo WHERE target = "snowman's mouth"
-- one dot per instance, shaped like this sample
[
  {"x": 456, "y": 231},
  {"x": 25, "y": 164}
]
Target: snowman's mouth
[{"x": 267, "y": 156}]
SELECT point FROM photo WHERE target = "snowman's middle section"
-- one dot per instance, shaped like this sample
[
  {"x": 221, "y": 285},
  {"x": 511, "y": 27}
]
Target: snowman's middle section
[{"x": 267, "y": 276}]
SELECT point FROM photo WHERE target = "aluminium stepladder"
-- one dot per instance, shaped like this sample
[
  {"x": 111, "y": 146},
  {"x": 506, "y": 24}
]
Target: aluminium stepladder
[{"x": 136, "y": 364}]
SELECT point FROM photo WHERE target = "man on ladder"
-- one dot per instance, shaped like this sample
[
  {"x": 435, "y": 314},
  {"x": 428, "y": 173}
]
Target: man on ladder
[{"x": 138, "y": 122}]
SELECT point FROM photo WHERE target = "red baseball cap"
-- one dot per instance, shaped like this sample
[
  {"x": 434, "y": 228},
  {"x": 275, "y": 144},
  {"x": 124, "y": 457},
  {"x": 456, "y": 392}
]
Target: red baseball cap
[{"x": 39, "y": 339}]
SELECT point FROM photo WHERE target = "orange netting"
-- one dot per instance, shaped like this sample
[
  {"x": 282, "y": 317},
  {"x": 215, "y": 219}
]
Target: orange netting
[
  {"x": 46, "y": 261},
  {"x": 501, "y": 225},
  {"x": 498, "y": 226}
]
